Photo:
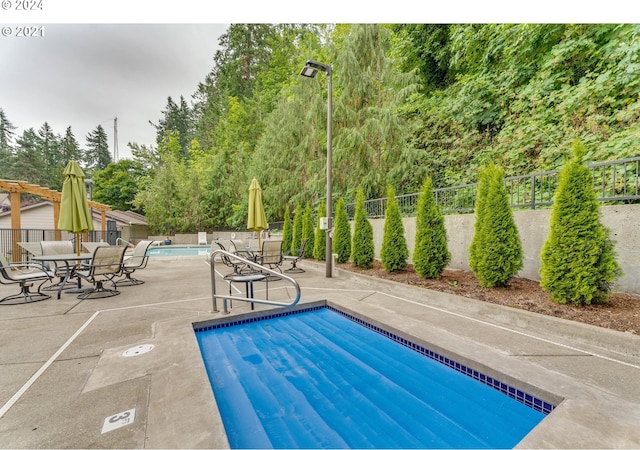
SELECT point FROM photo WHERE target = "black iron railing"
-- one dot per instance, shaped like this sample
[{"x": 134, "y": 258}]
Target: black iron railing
[{"x": 613, "y": 181}]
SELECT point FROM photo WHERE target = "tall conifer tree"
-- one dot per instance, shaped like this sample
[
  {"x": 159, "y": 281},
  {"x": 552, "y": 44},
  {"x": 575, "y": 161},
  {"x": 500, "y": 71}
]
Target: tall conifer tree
[
  {"x": 578, "y": 260},
  {"x": 342, "y": 233},
  {"x": 394, "y": 251},
  {"x": 496, "y": 245},
  {"x": 362, "y": 246},
  {"x": 431, "y": 254}
]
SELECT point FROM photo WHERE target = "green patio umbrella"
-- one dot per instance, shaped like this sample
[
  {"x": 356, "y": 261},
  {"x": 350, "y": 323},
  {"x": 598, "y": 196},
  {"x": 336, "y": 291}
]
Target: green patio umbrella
[
  {"x": 75, "y": 216},
  {"x": 257, "y": 220}
]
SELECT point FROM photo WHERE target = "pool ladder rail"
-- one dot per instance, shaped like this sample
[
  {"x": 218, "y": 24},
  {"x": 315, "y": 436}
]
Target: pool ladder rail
[{"x": 259, "y": 269}]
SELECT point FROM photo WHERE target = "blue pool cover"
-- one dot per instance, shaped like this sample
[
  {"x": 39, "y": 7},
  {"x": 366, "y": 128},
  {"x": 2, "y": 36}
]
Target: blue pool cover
[{"x": 318, "y": 380}]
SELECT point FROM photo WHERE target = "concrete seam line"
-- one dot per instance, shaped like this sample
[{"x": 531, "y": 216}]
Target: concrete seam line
[
  {"x": 548, "y": 341},
  {"x": 44, "y": 367}
]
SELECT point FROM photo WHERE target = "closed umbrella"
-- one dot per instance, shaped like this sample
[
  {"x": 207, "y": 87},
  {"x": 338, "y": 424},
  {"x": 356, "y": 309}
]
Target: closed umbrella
[
  {"x": 75, "y": 216},
  {"x": 257, "y": 220}
]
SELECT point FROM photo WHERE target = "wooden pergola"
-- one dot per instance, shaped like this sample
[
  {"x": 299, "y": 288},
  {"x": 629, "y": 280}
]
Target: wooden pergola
[{"x": 15, "y": 188}]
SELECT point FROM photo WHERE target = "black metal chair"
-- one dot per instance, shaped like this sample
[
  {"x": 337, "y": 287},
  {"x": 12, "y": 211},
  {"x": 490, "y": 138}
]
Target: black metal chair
[
  {"x": 24, "y": 274},
  {"x": 295, "y": 257},
  {"x": 239, "y": 267}
]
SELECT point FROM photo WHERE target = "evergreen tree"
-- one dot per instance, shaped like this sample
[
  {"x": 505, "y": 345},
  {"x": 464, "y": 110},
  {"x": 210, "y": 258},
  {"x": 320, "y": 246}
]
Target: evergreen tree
[
  {"x": 341, "y": 233},
  {"x": 296, "y": 238},
  {"x": 96, "y": 155},
  {"x": 431, "y": 254},
  {"x": 496, "y": 245},
  {"x": 308, "y": 231},
  {"x": 394, "y": 251},
  {"x": 475, "y": 250},
  {"x": 48, "y": 146},
  {"x": 578, "y": 260},
  {"x": 177, "y": 118},
  {"x": 286, "y": 232},
  {"x": 28, "y": 163},
  {"x": 7, "y": 134},
  {"x": 362, "y": 247},
  {"x": 320, "y": 242}
]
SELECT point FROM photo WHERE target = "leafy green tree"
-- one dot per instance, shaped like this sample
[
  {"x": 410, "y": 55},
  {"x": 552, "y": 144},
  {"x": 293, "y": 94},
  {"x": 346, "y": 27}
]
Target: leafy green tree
[
  {"x": 296, "y": 238},
  {"x": 308, "y": 231},
  {"x": 497, "y": 250},
  {"x": 320, "y": 241},
  {"x": 394, "y": 251},
  {"x": 578, "y": 259},
  {"x": 96, "y": 155},
  {"x": 341, "y": 233},
  {"x": 362, "y": 246},
  {"x": 287, "y": 232},
  {"x": 431, "y": 254},
  {"x": 116, "y": 185}
]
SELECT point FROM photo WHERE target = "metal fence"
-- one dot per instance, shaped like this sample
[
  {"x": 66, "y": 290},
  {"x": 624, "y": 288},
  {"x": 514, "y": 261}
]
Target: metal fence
[
  {"x": 9, "y": 236},
  {"x": 613, "y": 181}
]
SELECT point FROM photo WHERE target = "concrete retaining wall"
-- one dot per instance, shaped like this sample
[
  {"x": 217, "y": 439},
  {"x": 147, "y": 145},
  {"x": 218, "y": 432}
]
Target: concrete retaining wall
[{"x": 533, "y": 226}]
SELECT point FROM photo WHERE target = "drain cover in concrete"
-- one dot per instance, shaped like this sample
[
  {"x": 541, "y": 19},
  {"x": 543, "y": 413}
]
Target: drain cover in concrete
[{"x": 138, "y": 350}]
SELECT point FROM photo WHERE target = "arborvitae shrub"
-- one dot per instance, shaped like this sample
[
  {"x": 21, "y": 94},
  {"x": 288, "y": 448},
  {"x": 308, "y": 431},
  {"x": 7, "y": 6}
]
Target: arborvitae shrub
[
  {"x": 296, "y": 235},
  {"x": 496, "y": 245},
  {"x": 308, "y": 231},
  {"x": 342, "y": 233},
  {"x": 393, "y": 252},
  {"x": 287, "y": 232},
  {"x": 431, "y": 254},
  {"x": 320, "y": 242},
  {"x": 481, "y": 198},
  {"x": 578, "y": 260},
  {"x": 362, "y": 247}
]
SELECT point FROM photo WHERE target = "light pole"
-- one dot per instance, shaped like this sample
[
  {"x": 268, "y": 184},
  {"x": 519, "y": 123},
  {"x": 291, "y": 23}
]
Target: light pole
[{"x": 310, "y": 70}]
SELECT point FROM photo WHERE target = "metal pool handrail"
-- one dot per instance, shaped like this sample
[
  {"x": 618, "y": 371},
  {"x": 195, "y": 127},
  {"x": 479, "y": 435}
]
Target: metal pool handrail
[{"x": 257, "y": 266}]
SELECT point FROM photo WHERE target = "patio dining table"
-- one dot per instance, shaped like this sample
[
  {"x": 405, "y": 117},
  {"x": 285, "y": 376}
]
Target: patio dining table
[{"x": 70, "y": 260}]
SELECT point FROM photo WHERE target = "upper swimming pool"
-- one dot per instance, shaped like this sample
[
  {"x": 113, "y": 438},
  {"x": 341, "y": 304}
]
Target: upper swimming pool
[
  {"x": 316, "y": 379},
  {"x": 179, "y": 250}
]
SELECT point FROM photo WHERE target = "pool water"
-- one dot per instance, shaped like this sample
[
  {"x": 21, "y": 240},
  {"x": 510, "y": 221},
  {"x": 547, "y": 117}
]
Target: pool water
[
  {"x": 176, "y": 250},
  {"x": 316, "y": 379}
]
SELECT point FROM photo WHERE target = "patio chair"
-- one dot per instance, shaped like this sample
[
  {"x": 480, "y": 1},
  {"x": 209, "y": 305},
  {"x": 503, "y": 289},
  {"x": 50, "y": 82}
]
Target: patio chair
[
  {"x": 138, "y": 260},
  {"x": 105, "y": 265},
  {"x": 294, "y": 258},
  {"x": 239, "y": 268},
  {"x": 91, "y": 246},
  {"x": 24, "y": 274},
  {"x": 271, "y": 257},
  {"x": 202, "y": 238},
  {"x": 32, "y": 248},
  {"x": 59, "y": 269}
]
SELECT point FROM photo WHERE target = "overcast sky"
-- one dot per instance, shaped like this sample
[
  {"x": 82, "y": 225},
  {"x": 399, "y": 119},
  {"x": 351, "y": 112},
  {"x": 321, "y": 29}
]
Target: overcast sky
[
  {"x": 135, "y": 54},
  {"x": 82, "y": 75}
]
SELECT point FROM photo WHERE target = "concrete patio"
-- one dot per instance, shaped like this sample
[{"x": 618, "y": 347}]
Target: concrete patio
[{"x": 65, "y": 381}]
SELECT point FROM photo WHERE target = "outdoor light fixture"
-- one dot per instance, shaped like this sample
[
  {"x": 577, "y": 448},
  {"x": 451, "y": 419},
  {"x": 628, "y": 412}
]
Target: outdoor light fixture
[{"x": 310, "y": 70}]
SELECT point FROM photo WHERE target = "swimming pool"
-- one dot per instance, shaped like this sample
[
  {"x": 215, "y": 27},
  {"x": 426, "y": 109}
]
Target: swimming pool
[
  {"x": 179, "y": 250},
  {"x": 316, "y": 379}
]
